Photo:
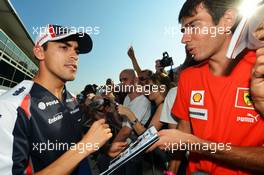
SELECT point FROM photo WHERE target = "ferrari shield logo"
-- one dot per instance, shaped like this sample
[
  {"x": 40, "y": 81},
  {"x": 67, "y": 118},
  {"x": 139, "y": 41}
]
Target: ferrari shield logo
[
  {"x": 243, "y": 99},
  {"x": 247, "y": 99}
]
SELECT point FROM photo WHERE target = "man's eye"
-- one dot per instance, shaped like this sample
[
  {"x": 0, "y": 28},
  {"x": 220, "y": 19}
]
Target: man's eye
[
  {"x": 64, "y": 47},
  {"x": 188, "y": 27},
  {"x": 193, "y": 24}
]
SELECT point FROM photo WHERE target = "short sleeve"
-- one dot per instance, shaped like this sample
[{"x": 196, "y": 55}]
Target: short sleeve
[
  {"x": 165, "y": 115},
  {"x": 180, "y": 106}
]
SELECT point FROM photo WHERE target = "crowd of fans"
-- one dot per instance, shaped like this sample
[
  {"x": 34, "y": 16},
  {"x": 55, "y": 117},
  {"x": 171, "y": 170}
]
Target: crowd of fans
[{"x": 129, "y": 111}]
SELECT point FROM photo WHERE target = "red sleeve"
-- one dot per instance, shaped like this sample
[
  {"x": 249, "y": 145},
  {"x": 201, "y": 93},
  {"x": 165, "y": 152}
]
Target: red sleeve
[{"x": 180, "y": 107}]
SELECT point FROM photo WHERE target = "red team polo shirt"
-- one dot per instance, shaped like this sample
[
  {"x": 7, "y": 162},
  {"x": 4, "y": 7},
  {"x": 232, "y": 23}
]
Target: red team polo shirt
[{"x": 220, "y": 110}]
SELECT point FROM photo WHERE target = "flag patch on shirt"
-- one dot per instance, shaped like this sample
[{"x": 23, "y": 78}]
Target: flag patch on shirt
[
  {"x": 198, "y": 113},
  {"x": 243, "y": 99}
]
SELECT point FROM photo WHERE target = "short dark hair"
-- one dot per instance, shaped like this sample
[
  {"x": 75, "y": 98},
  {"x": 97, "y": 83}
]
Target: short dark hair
[{"x": 216, "y": 8}]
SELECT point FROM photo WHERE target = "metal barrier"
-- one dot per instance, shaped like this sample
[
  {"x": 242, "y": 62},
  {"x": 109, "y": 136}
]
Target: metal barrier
[{"x": 6, "y": 82}]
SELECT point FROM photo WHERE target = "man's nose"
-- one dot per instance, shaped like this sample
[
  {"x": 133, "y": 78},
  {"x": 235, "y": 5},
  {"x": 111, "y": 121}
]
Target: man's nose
[
  {"x": 74, "y": 54},
  {"x": 186, "y": 38}
]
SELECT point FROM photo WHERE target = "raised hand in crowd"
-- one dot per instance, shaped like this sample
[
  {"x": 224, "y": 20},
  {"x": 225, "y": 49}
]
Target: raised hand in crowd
[
  {"x": 131, "y": 53},
  {"x": 133, "y": 58}
]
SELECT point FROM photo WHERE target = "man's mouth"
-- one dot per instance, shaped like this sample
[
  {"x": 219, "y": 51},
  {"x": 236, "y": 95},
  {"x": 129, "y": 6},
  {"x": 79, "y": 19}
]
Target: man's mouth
[
  {"x": 191, "y": 50},
  {"x": 72, "y": 66}
]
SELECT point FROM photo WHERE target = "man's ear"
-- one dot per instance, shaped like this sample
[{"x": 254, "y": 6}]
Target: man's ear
[
  {"x": 39, "y": 52},
  {"x": 229, "y": 19}
]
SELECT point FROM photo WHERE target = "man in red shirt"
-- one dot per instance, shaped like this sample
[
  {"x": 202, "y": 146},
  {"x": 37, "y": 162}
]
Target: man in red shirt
[{"x": 218, "y": 122}]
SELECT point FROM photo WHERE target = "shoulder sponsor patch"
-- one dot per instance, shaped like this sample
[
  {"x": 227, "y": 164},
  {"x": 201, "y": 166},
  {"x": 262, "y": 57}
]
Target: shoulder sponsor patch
[
  {"x": 19, "y": 91},
  {"x": 197, "y": 98},
  {"x": 198, "y": 113},
  {"x": 243, "y": 99}
]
